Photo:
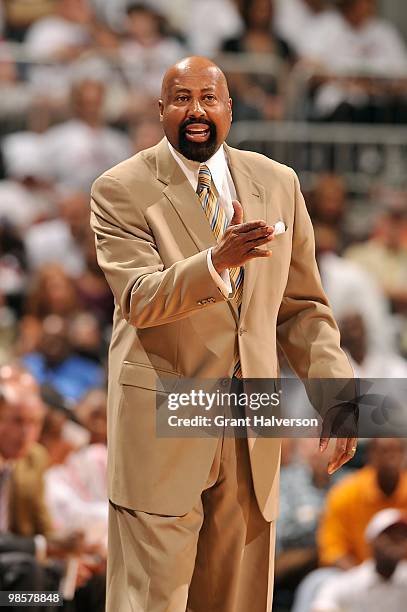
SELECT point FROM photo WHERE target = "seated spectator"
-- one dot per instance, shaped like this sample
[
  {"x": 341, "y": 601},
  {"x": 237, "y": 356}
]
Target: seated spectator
[
  {"x": 16, "y": 95},
  {"x": 379, "y": 583},
  {"x": 385, "y": 254},
  {"x": 93, "y": 292},
  {"x": 91, "y": 414},
  {"x": 52, "y": 291},
  {"x": 304, "y": 483},
  {"x": 148, "y": 49},
  {"x": 25, "y": 525},
  {"x": 59, "y": 240},
  {"x": 60, "y": 38},
  {"x": 351, "y": 49},
  {"x": 27, "y": 196},
  {"x": 56, "y": 364},
  {"x": 368, "y": 362},
  {"x": 294, "y": 20},
  {"x": 263, "y": 91},
  {"x": 146, "y": 134},
  {"x": 205, "y": 33},
  {"x": 61, "y": 434},
  {"x": 352, "y": 503},
  {"x": 101, "y": 62},
  {"x": 20, "y": 14},
  {"x": 341, "y": 279},
  {"x": 80, "y": 149},
  {"x": 76, "y": 494},
  {"x": 258, "y": 36},
  {"x": 13, "y": 268},
  {"x": 329, "y": 201},
  {"x": 86, "y": 337}
]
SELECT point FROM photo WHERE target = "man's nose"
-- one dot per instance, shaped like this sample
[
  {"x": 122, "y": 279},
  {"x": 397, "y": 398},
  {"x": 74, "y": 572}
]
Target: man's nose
[{"x": 196, "y": 108}]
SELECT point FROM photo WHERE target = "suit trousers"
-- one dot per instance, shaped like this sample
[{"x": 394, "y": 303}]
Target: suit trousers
[{"x": 219, "y": 557}]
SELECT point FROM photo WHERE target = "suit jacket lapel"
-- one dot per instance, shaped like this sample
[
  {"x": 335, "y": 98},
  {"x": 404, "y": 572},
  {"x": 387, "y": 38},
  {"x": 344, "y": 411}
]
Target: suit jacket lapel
[
  {"x": 251, "y": 195},
  {"x": 183, "y": 198}
]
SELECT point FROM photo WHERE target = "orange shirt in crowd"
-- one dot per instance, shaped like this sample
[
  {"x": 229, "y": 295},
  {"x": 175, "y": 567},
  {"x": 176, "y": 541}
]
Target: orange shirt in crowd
[{"x": 349, "y": 507}]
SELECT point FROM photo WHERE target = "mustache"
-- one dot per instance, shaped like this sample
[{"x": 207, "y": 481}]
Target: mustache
[{"x": 188, "y": 122}]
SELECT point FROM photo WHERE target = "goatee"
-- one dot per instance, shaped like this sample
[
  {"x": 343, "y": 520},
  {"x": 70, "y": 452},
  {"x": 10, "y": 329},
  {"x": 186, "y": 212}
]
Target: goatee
[{"x": 198, "y": 151}]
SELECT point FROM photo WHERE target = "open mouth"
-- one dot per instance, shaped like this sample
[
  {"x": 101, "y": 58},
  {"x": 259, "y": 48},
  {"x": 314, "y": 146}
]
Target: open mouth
[{"x": 197, "y": 132}]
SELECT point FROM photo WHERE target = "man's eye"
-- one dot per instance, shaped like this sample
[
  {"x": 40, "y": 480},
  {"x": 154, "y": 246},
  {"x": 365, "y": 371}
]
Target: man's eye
[
  {"x": 181, "y": 98},
  {"x": 210, "y": 97}
]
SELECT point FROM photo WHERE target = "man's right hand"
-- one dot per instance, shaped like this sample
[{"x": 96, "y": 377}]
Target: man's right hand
[{"x": 240, "y": 242}]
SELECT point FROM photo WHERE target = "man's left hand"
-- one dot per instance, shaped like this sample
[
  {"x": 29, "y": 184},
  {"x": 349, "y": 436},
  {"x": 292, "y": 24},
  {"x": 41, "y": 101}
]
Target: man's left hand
[{"x": 345, "y": 449}]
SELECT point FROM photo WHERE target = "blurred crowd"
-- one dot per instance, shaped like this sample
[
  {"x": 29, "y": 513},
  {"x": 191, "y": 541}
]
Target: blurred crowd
[{"x": 79, "y": 83}]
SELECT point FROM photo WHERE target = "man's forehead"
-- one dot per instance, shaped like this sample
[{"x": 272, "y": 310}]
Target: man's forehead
[{"x": 206, "y": 78}]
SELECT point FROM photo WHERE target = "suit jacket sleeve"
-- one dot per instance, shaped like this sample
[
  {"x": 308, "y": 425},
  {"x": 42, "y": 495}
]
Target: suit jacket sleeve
[
  {"x": 306, "y": 329},
  {"x": 147, "y": 294}
]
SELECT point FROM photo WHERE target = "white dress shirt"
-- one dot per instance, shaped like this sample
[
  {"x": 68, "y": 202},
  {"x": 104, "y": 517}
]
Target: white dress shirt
[{"x": 222, "y": 179}]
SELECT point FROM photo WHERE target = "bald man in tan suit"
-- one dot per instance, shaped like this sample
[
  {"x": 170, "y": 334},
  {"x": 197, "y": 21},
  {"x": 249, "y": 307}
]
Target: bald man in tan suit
[{"x": 192, "y": 520}]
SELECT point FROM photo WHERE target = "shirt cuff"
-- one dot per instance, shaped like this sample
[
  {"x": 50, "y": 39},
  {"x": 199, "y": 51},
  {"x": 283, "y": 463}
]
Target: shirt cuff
[
  {"x": 221, "y": 280},
  {"x": 40, "y": 544}
]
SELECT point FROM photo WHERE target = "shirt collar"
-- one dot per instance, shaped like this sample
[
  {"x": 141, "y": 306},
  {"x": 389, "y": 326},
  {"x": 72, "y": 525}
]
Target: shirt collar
[{"x": 217, "y": 165}]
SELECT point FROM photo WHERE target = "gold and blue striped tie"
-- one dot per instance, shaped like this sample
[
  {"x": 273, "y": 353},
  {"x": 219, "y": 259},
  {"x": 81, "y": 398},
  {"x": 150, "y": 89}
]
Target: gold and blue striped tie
[{"x": 218, "y": 221}]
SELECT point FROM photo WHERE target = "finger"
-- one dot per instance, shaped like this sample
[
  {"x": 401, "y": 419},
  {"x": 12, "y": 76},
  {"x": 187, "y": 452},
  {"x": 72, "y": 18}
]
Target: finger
[
  {"x": 337, "y": 456},
  {"x": 251, "y": 244},
  {"x": 252, "y": 225},
  {"x": 255, "y": 234},
  {"x": 351, "y": 449},
  {"x": 323, "y": 444},
  {"x": 238, "y": 213},
  {"x": 253, "y": 253},
  {"x": 346, "y": 449}
]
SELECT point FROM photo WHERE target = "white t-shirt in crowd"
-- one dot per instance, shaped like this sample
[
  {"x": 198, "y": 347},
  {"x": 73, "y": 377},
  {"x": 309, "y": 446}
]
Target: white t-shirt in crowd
[
  {"x": 52, "y": 242},
  {"x": 293, "y": 22},
  {"x": 43, "y": 40},
  {"x": 209, "y": 22},
  {"x": 341, "y": 279},
  {"x": 361, "y": 589},
  {"x": 144, "y": 67},
  {"x": 377, "y": 47},
  {"x": 76, "y": 154}
]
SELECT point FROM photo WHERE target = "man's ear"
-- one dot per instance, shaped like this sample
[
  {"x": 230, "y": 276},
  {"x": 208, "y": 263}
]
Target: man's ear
[
  {"x": 230, "y": 105},
  {"x": 161, "y": 107}
]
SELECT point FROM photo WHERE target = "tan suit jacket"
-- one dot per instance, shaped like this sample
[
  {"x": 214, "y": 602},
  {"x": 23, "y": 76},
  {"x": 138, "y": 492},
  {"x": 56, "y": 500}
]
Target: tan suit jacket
[{"x": 171, "y": 320}]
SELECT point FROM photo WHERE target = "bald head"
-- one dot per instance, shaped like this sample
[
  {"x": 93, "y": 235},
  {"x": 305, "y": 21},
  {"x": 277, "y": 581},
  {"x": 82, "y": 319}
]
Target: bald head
[
  {"x": 195, "y": 107},
  {"x": 195, "y": 66}
]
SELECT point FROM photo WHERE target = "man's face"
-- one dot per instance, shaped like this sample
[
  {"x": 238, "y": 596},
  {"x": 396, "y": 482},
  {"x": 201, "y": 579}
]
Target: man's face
[
  {"x": 389, "y": 548},
  {"x": 196, "y": 112},
  {"x": 388, "y": 456},
  {"x": 20, "y": 427},
  {"x": 361, "y": 11}
]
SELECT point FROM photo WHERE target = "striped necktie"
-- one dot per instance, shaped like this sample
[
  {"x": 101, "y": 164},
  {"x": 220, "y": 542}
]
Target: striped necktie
[{"x": 218, "y": 221}]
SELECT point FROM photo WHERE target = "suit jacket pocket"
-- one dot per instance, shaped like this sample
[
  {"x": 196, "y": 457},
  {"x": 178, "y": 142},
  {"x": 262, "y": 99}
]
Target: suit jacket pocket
[{"x": 146, "y": 376}]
